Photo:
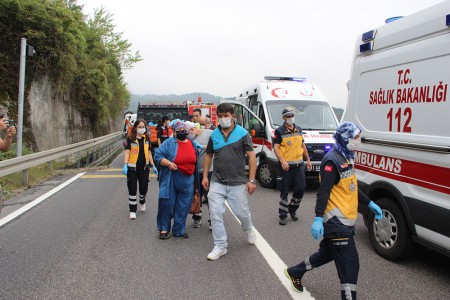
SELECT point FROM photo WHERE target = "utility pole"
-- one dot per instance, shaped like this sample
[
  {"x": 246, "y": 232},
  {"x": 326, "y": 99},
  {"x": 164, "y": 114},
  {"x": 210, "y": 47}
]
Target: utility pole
[
  {"x": 31, "y": 52},
  {"x": 23, "y": 48}
]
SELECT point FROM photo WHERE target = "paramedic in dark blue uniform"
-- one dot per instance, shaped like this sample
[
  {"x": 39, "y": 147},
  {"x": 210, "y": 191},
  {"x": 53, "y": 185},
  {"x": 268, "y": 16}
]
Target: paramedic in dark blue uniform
[
  {"x": 290, "y": 149},
  {"x": 336, "y": 211}
]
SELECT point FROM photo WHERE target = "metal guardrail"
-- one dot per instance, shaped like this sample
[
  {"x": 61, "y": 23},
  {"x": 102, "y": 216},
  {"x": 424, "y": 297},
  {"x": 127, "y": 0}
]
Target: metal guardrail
[{"x": 25, "y": 162}]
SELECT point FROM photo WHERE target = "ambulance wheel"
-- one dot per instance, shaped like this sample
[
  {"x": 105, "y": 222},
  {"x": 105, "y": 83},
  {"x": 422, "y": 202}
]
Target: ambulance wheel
[
  {"x": 266, "y": 177},
  {"x": 390, "y": 236}
]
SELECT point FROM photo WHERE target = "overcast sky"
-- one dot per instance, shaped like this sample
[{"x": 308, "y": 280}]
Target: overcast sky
[{"x": 220, "y": 47}]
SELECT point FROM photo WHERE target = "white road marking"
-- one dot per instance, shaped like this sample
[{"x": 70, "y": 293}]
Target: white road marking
[
  {"x": 33, "y": 203},
  {"x": 275, "y": 263}
]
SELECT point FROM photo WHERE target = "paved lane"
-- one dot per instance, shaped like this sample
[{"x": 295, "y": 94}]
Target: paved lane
[{"x": 79, "y": 243}]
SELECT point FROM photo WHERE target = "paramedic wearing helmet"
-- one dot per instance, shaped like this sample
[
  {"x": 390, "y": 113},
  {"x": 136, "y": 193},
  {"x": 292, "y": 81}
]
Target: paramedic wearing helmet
[
  {"x": 291, "y": 152},
  {"x": 336, "y": 211}
]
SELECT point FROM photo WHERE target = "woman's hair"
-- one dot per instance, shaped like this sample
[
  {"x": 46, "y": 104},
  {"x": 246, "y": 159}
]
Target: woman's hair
[{"x": 134, "y": 130}]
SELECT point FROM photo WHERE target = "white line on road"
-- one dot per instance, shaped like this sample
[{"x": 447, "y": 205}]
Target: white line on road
[
  {"x": 33, "y": 203},
  {"x": 276, "y": 264}
]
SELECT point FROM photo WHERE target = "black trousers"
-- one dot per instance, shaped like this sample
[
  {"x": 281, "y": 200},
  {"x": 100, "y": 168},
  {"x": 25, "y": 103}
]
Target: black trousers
[
  {"x": 294, "y": 179},
  {"x": 343, "y": 252},
  {"x": 133, "y": 177}
]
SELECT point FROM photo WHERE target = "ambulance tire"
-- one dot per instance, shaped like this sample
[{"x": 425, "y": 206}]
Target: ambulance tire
[
  {"x": 266, "y": 177},
  {"x": 390, "y": 236}
]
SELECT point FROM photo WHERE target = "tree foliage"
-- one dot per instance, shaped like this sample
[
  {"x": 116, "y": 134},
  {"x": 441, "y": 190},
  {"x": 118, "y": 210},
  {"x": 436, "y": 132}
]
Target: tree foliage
[{"x": 84, "y": 56}]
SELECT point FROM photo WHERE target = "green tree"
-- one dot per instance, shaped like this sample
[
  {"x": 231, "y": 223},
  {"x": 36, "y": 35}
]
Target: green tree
[{"x": 84, "y": 56}]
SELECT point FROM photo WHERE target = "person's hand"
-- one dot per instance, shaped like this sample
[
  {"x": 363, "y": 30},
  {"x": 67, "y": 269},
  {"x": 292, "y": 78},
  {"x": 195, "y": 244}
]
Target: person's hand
[
  {"x": 155, "y": 170},
  {"x": 308, "y": 165},
  {"x": 317, "y": 228},
  {"x": 125, "y": 169},
  {"x": 3, "y": 124},
  {"x": 11, "y": 131},
  {"x": 251, "y": 187},
  {"x": 172, "y": 166},
  {"x": 205, "y": 184},
  {"x": 285, "y": 166},
  {"x": 376, "y": 210}
]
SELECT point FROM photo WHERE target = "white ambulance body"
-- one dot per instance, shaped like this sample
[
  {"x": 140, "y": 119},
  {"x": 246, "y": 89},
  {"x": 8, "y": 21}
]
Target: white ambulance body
[
  {"x": 265, "y": 101},
  {"x": 399, "y": 95}
]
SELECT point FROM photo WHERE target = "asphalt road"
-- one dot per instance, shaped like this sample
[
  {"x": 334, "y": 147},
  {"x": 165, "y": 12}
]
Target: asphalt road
[{"x": 80, "y": 244}]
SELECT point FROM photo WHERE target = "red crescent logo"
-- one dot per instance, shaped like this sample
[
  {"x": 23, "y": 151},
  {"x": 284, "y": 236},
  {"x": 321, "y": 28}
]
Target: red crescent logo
[{"x": 279, "y": 92}]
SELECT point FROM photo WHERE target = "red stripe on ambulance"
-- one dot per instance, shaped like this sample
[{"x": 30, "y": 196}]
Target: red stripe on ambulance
[
  {"x": 425, "y": 175},
  {"x": 261, "y": 141}
]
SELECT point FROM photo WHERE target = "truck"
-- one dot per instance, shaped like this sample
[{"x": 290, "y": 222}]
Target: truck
[
  {"x": 399, "y": 97},
  {"x": 153, "y": 111},
  {"x": 258, "y": 109}
]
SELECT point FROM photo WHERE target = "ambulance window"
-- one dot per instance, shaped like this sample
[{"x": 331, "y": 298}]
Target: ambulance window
[
  {"x": 261, "y": 114},
  {"x": 243, "y": 117},
  {"x": 238, "y": 115},
  {"x": 253, "y": 104}
]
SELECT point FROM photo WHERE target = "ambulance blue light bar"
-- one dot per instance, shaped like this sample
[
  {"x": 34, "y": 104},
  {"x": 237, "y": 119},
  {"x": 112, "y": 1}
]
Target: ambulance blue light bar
[
  {"x": 368, "y": 36},
  {"x": 390, "y": 20},
  {"x": 298, "y": 79},
  {"x": 366, "y": 47},
  {"x": 448, "y": 20}
]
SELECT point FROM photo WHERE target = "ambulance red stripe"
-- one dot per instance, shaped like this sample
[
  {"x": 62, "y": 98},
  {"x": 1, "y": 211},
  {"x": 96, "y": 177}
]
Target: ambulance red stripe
[
  {"x": 432, "y": 177},
  {"x": 261, "y": 141}
]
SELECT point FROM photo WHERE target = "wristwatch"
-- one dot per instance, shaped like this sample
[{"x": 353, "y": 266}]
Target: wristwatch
[{"x": 252, "y": 181}]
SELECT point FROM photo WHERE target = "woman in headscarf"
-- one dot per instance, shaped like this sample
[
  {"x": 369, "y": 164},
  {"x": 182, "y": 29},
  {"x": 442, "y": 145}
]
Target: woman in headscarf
[
  {"x": 336, "y": 211},
  {"x": 177, "y": 159}
]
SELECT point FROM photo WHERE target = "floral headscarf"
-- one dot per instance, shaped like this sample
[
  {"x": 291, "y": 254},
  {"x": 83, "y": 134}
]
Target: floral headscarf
[
  {"x": 344, "y": 132},
  {"x": 179, "y": 125}
]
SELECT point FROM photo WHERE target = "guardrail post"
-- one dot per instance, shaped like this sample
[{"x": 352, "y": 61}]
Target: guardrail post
[
  {"x": 50, "y": 166},
  {"x": 78, "y": 160},
  {"x": 87, "y": 158},
  {"x": 25, "y": 177},
  {"x": 95, "y": 154}
]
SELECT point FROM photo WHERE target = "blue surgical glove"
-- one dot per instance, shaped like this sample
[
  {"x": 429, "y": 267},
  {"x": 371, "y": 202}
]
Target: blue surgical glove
[
  {"x": 125, "y": 169},
  {"x": 317, "y": 228},
  {"x": 155, "y": 170},
  {"x": 376, "y": 210}
]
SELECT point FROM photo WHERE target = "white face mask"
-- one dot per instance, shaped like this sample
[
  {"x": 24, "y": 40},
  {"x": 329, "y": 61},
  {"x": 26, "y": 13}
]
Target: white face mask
[
  {"x": 290, "y": 121},
  {"x": 141, "y": 130},
  {"x": 225, "y": 122},
  {"x": 353, "y": 144}
]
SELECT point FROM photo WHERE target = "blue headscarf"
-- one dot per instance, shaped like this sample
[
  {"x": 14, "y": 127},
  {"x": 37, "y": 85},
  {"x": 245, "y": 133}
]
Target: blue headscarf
[{"x": 344, "y": 132}]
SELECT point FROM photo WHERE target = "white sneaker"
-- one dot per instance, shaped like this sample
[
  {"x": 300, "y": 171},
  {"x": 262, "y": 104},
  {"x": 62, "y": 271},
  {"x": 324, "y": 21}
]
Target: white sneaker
[
  {"x": 216, "y": 253},
  {"x": 251, "y": 236},
  {"x": 132, "y": 215},
  {"x": 143, "y": 207}
]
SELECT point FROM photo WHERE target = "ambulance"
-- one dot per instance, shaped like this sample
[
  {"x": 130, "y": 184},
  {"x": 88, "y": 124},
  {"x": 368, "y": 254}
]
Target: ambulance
[
  {"x": 399, "y": 96},
  {"x": 258, "y": 109}
]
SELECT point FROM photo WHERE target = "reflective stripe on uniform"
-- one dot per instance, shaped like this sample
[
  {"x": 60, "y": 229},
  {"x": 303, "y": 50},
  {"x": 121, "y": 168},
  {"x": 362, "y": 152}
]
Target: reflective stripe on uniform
[
  {"x": 348, "y": 288},
  {"x": 308, "y": 264},
  {"x": 295, "y": 162},
  {"x": 335, "y": 212}
]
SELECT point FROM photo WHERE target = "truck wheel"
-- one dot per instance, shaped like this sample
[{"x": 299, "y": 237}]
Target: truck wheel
[
  {"x": 390, "y": 236},
  {"x": 266, "y": 177}
]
